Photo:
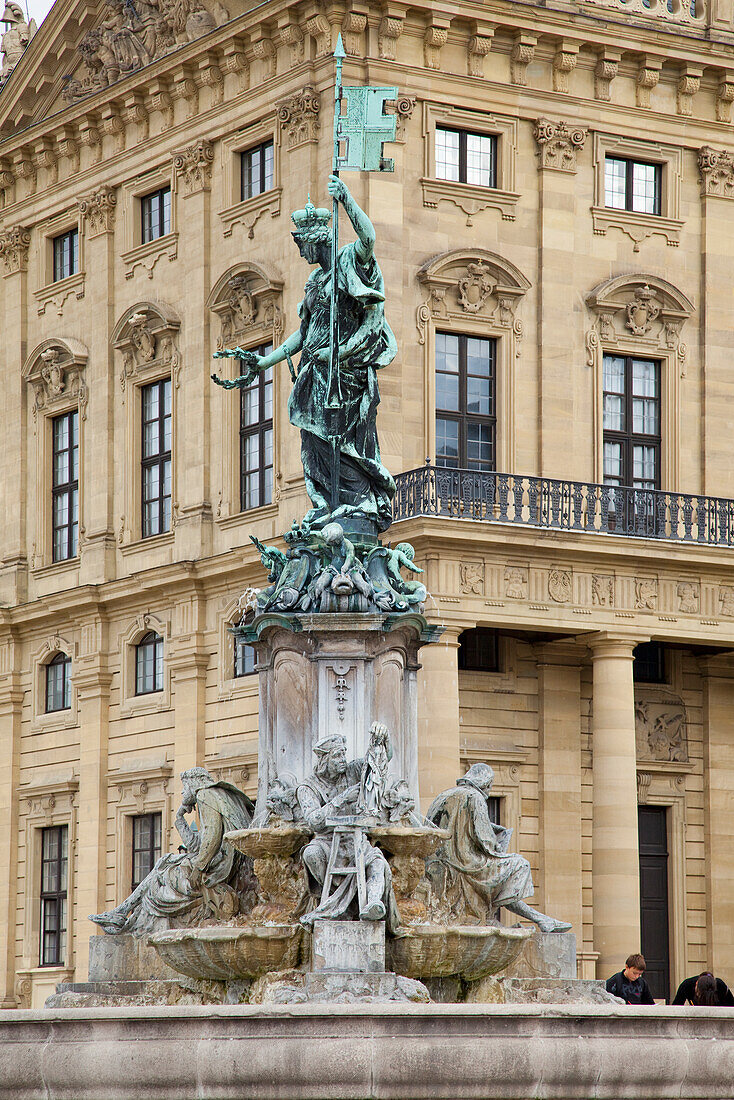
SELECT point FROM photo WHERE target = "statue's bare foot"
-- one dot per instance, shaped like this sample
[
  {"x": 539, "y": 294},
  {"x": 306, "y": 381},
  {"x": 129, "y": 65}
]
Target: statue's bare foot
[
  {"x": 550, "y": 924},
  {"x": 373, "y": 910}
]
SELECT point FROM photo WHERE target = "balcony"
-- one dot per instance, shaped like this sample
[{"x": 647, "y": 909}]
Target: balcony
[{"x": 548, "y": 503}]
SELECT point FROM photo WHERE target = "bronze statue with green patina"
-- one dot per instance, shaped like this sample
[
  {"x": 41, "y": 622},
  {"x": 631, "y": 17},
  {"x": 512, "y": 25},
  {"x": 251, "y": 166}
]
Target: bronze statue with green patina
[{"x": 365, "y": 344}]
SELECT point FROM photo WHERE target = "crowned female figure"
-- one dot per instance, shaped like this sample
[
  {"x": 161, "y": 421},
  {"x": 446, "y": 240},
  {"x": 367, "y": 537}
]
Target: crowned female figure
[{"x": 366, "y": 343}]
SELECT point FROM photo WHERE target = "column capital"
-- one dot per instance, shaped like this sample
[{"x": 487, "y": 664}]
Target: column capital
[{"x": 611, "y": 643}]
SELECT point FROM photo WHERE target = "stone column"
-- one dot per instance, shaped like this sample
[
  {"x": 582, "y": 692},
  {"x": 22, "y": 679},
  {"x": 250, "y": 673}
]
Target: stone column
[
  {"x": 615, "y": 844},
  {"x": 91, "y": 680},
  {"x": 193, "y": 514},
  {"x": 559, "y": 782},
  {"x": 11, "y": 702},
  {"x": 439, "y": 737},
  {"x": 718, "y": 779},
  {"x": 188, "y": 660}
]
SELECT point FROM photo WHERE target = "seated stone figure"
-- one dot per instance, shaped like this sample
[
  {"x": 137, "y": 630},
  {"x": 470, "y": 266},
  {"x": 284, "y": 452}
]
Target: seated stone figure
[
  {"x": 472, "y": 869},
  {"x": 332, "y": 790},
  {"x": 207, "y": 880}
]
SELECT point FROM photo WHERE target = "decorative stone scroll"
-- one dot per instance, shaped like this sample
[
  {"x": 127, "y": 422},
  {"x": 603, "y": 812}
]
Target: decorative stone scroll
[
  {"x": 248, "y": 303},
  {"x": 193, "y": 165},
  {"x": 558, "y": 144},
  {"x": 99, "y": 210},
  {"x": 14, "y": 245},
  {"x": 55, "y": 372},
  {"x": 716, "y": 167},
  {"x": 131, "y": 36},
  {"x": 299, "y": 116},
  {"x": 660, "y": 726},
  {"x": 147, "y": 338},
  {"x": 471, "y": 283},
  {"x": 643, "y": 312}
]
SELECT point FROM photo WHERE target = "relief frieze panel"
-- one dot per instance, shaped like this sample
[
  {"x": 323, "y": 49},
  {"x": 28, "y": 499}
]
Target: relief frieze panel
[
  {"x": 249, "y": 306},
  {"x": 660, "y": 726}
]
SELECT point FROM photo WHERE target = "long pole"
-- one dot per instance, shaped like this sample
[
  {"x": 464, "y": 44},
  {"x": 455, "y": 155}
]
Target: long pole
[{"x": 333, "y": 395}]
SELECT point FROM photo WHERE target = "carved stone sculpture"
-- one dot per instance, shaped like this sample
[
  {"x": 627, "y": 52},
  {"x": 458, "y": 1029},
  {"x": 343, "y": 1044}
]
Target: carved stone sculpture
[
  {"x": 207, "y": 880},
  {"x": 472, "y": 870},
  {"x": 15, "y": 39}
]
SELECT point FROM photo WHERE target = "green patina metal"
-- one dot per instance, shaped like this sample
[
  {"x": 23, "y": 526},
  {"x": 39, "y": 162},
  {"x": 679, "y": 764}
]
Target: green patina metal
[{"x": 364, "y": 127}]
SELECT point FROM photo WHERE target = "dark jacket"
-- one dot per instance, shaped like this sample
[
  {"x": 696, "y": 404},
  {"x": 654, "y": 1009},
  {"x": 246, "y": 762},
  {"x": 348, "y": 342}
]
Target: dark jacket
[
  {"x": 687, "y": 989},
  {"x": 633, "y": 993}
]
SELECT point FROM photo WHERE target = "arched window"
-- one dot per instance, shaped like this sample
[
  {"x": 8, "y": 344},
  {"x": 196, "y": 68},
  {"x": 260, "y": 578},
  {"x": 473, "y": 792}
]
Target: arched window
[
  {"x": 58, "y": 683},
  {"x": 149, "y": 664}
]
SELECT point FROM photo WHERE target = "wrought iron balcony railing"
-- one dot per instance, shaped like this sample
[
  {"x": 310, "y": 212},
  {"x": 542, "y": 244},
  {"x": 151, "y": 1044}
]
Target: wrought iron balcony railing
[{"x": 563, "y": 505}]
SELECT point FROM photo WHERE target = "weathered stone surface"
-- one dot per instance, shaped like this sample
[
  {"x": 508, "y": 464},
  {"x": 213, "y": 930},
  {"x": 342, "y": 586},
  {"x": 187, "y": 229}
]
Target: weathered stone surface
[
  {"x": 224, "y": 952},
  {"x": 123, "y": 958},
  {"x": 469, "y": 951},
  {"x": 545, "y": 955},
  {"x": 353, "y": 1052},
  {"x": 357, "y": 946},
  {"x": 540, "y": 991}
]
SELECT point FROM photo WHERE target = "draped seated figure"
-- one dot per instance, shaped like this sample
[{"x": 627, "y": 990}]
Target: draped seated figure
[
  {"x": 206, "y": 879},
  {"x": 472, "y": 869}
]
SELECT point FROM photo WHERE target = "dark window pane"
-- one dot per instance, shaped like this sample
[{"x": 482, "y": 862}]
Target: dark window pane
[
  {"x": 146, "y": 845},
  {"x": 648, "y": 663},
  {"x": 466, "y": 157},
  {"x": 65, "y": 485},
  {"x": 631, "y": 422},
  {"x": 244, "y": 658},
  {"x": 58, "y": 683},
  {"x": 465, "y": 401},
  {"x": 479, "y": 650},
  {"x": 65, "y": 255},
  {"x": 632, "y": 185}
]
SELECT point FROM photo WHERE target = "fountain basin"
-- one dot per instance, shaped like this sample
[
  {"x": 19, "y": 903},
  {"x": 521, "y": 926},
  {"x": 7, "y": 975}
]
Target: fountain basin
[
  {"x": 408, "y": 840},
  {"x": 470, "y": 951},
  {"x": 278, "y": 840},
  {"x": 227, "y": 952}
]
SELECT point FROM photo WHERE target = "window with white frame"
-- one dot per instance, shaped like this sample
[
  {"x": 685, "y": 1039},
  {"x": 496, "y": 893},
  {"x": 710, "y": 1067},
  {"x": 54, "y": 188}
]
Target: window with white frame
[
  {"x": 257, "y": 170},
  {"x": 65, "y": 252},
  {"x": 155, "y": 214},
  {"x": 58, "y": 683},
  {"x": 466, "y": 157},
  {"x": 65, "y": 485},
  {"x": 634, "y": 185},
  {"x": 54, "y": 886},
  {"x": 149, "y": 664}
]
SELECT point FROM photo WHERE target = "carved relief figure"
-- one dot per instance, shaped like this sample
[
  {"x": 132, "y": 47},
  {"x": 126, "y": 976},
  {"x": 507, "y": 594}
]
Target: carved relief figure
[
  {"x": 15, "y": 39},
  {"x": 602, "y": 590},
  {"x": 207, "y": 879},
  {"x": 143, "y": 340},
  {"x": 646, "y": 593},
  {"x": 726, "y": 599},
  {"x": 471, "y": 574},
  {"x": 660, "y": 728},
  {"x": 516, "y": 584},
  {"x": 52, "y": 372},
  {"x": 688, "y": 597},
  {"x": 559, "y": 585}
]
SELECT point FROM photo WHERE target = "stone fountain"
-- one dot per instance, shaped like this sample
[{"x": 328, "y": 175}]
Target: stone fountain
[{"x": 332, "y": 887}]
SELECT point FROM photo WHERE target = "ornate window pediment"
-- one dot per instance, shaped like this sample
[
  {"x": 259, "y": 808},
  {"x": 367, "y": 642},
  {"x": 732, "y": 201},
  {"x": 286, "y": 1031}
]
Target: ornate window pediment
[
  {"x": 248, "y": 303},
  {"x": 471, "y": 283},
  {"x": 55, "y": 371},
  {"x": 641, "y": 312},
  {"x": 147, "y": 338}
]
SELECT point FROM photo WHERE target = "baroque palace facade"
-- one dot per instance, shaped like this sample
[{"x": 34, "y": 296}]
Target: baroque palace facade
[{"x": 556, "y": 242}]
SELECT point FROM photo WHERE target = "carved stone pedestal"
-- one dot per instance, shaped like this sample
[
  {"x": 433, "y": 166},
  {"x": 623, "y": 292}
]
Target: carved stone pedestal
[{"x": 337, "y": 674}]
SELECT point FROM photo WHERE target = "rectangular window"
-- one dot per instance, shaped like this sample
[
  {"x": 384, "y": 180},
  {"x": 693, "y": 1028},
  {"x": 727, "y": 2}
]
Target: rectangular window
[
  {"x": 256, "y": 439},
  {"x": 632, "y": 185},
  {"x": 465, "y": 401},
  {"x": 155, "y": 214},
  {"x": 65, "y": 485},
  {"x": 465, "y": 157},
  {"x": 58, "y": 683},
  {"x": 146, "y": 846},
  {"x": 65, "y": 255},
  {"x": 631, "y": 422},
  {"x": 156, "y": 458},
  {"x": 54, "y": 872},
  {"x": 149, "y": 664},
  {"x": 648, "y": 663},
  {"x": 479, "y": 650},
  {"x": 244, "y": 658},
  {"x": 257, "y": 169}
]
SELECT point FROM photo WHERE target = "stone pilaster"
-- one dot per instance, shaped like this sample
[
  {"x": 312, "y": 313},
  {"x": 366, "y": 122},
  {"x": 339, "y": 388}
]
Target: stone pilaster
[
  {"x": 439, "y": 739},
  {"x": 559, "y": 782},
  {"x": 192, "y": 399},
  {"x": 615, "y": 843},
  {"x": 91, "y": 681},
  {"x": 718, "y": 770},
  {"x": 188, "y": 660},
  {"x": 11, "y": 702}
]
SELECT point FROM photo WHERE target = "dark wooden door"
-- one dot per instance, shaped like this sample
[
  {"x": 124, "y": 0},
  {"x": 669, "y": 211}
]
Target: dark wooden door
[{"x": 653, "y": 830}]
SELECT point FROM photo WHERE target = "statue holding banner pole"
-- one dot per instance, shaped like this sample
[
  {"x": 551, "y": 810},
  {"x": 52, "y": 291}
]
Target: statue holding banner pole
[{"x": 343, "y": 338}]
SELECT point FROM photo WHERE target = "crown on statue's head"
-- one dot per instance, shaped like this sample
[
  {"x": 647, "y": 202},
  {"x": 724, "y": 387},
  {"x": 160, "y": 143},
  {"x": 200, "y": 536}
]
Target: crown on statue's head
[{"x": 312, "y": 223}]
